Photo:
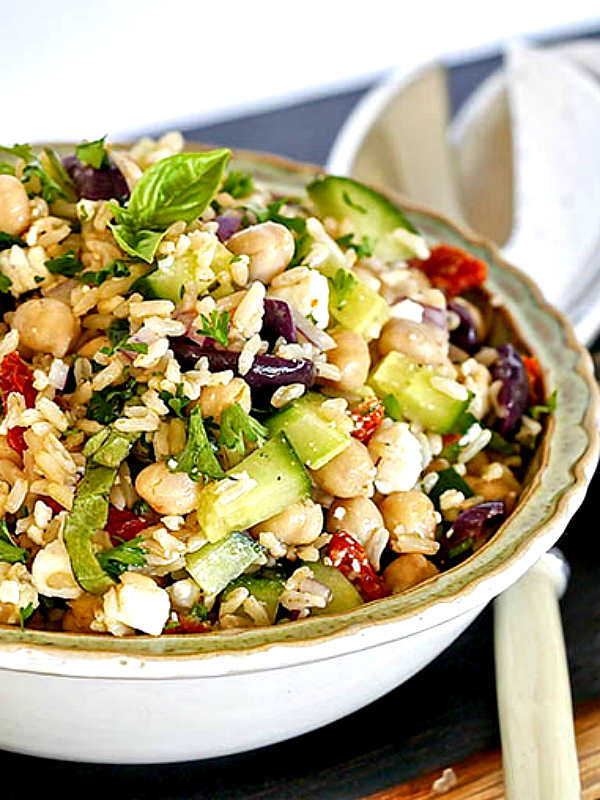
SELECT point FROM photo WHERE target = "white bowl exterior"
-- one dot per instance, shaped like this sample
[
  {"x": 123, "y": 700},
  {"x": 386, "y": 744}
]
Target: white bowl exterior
[{"x": 148, "y": 721}]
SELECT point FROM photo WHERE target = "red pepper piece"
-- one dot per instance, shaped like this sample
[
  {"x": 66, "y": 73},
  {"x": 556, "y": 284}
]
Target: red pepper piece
[
  {"x": 188, "y": 623},
  {"x": 536, "y": 383},
  {"x": 123, "y": 524},
  {"x": 350, "y": 558},
  {"x": 367, "y": 418},
  {"x": 15, "y": 439},
  {"x": 452, "y": 269},
  {"x": 15, "y": 376}
]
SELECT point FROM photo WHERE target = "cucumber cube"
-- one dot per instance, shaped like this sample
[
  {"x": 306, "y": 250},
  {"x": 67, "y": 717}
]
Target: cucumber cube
[{"x": 217, "y": 564}]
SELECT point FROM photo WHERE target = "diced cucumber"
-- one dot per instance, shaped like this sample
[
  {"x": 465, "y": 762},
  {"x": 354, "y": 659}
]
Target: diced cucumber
[
  {"x": 344, "y": 595},
  {"x": 271, "y": 479},
  {"x": 315, "y": 438},
  {"x": 169, "y": 282},
  {"x": 418, "y": 400},
  {"x": 362, "y": 310},
  {"x": 370, "y": 213},
  {"x": 266, "y": 586},
  {"x": 218, "y": 563}
]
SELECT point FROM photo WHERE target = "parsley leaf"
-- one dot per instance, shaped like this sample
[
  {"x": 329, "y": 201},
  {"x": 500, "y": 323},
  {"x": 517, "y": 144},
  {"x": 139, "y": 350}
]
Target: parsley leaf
[
  {"x": 271, "y": 214},
  {"x": 363, "y": 249},
  {"x": 127, "y": 554},
  {"x": 238, "y": 428},
  {"x": 200, "y": 612},
  {"x": 349, "y": 202},
  {"x": 9, "y": 550},
  {"x": 106, "y": 405},
  {"x": 342, "y": 283},
  {"x": 66, "y": 265},
  {"x": 177, "y": 402},
  {"x": 5, "y": 283},
  {"x": 93, "y": 153},
  {"x": 118, "y": 334},
  {"x": 197, "y": 457},
  {"x": 548, "y": 408},
  {"x": 24, "y": 614},
  {"x": 116, "y": 269},
  {"x": 45, "y": 166},
  {"x": 216, "y": 326},
  {"x": 238, "y": 184}
]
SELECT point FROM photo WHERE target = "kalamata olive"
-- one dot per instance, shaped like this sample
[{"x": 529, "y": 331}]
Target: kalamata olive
[{"x": 96, "y": 184}]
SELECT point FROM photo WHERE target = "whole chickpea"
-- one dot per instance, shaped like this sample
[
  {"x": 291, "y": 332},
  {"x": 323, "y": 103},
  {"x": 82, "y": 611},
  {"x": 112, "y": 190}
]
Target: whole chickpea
[
  {"x": 299, "y": 524},
  {"x": 270, "y": 247},
  {"x": 420, "y": 341},
  {"x": 167, "y": 492},
  {"x": 407, "y": 571},
  {"x": 504, "y": 487},
  {"x": 215, "y": 399},
  {"x": 349, "y": 474},
  {"x": 46, "y": 325},
  {"x": 358, "y": 516},
  {"x": 352, "y": 358},
  {"x": 409, "y": 512},
  {"x": 14, "y": 205}
]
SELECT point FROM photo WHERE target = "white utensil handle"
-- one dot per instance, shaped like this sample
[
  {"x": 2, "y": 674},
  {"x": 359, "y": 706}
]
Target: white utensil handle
[{"x": 534, "y": 697}]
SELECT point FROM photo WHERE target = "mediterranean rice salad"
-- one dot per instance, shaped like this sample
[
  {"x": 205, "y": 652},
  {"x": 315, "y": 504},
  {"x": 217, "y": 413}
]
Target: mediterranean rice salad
[{"x": 223, "y": 407}]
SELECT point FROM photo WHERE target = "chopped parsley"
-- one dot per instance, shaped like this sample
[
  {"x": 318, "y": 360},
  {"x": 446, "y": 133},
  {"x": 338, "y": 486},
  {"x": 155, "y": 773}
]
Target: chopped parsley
[
  {"x": 5, "y": 283},
  {"x": 549, "y": 408},
  {"x": 238, "y": 428},
  {"x": 9, "y": 550},
  {"x": 7, "y": 240},
  {"x": 93, "y": 153},
  {"x": 238, "y": 184},
  {"x": 177, "y": 402},
  {"x": 363, "y": 249},
  {"x": 24, "y": 614},
  {"x": 66, "y": 265},
  {"x": 118, "y": 559},
  {"x": 500, "y": 445},
  {"x": 351, "y": 204},
  {"x": 106, "y": 405},
  {"x": 116, "y": 269},
  {"x": 197, "y": 457},
  {"x": 216, "y": 326},
  {"x": 272, "y": 214},
  {"x": 118, "y": 334},
  {"x": 342, "y": 283}
]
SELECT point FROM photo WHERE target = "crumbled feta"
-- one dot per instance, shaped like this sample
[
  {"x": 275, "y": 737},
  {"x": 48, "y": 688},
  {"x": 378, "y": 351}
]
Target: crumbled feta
[
  {"x": 308, "y": 291},
  {"x": 398, "y": 458},
  {"x": 52, "y": 574},
  {"x": 137, "y": 602}
]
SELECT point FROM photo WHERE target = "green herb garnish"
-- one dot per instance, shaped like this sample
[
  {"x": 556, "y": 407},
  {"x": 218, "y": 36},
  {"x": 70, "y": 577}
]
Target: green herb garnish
[
  {"x": 238, "y": 428},
  {"x": 272, "y": 214},
  {"x": 106, "y": 405},
  {"x": 46, "y": 167},
  {"x": 7, "y": 240},
  {"x": 116, "y": 269},
  {"x": 238, "y": 184},
  {"x": 342, "y": 283},
  {"x": 216, "y": 326},
  {"x": 5, "y": 283},
  {"x": 66, "y": 265},
  {"x": 197, "y": 457},
  {"x": 93, "y": 153},
  {"x": 548, "y": 408},
  {"x": 24, "y": 614},
  {"x": 363, "y": 249},
  {"x": 118, "y": 559},
  {"x": 449, "y": 479},
  {"x": 177, "y": 402},
  {"x": 9, "y": 549},
  {"x": 500, "y": 445}
]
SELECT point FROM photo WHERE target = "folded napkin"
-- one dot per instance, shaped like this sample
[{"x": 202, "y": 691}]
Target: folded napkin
[{"x": 520, "y": 163}]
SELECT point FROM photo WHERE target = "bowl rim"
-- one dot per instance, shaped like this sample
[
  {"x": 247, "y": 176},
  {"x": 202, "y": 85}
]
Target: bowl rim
[{"x": 16, "y": 645}]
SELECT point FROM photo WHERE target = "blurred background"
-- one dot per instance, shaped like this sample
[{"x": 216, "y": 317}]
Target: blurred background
[{"x": 72, "y": 70}]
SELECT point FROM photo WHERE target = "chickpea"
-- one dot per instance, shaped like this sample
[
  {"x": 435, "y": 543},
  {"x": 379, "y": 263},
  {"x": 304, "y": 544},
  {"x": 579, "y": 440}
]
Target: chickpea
[
  {"x": 270, "y": 247},
  {"x": 91, "y": 347},
  {"x": 215, "y": 399},
  {"x": 358, "y": 516},
  {"x": 299, "y": 524},
  {"x": 14, "y": 205},
  {"x": 167, "y": 492},
  {"x": 46, "y": 325},
  {"x": 407, "y": 571},
  {"x": 420, "y": 341},
  {"x": 352, "y": 358},
  {"x": 409, "y": 512},
  {"x": 504, "y": 487},
  {"x": 349, "y": 474}
]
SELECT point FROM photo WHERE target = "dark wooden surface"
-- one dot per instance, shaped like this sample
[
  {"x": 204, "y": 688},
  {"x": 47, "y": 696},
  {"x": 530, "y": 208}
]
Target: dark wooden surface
[{"x": 445, "y": 713}]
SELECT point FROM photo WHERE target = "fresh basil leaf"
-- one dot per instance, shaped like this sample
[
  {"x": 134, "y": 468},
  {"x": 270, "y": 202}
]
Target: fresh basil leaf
[
  {"x": 137, "y": 243},
  {"x": 93, "y": 153},
  {"x": 176, "y": 188}
]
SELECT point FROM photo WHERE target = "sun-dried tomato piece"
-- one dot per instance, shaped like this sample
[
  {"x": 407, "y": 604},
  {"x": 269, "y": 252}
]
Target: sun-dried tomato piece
[
  {"x": 50, "y": 501},
  {"x": 123, "y": 524},
  {"x": 367, "y": 418},
  {"x": 452, "y": 269},
  {"x": 536, "y": 382},
  {"x": 187, "y": 623},
  {"x": 15, "y": 439},
  {"x": 15, "y": 376},
  {"x": 350, "y": 558}
]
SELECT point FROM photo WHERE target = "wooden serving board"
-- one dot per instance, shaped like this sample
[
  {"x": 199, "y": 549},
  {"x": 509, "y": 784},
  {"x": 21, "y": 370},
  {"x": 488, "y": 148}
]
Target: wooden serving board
[{"x": 480, "y": 777}]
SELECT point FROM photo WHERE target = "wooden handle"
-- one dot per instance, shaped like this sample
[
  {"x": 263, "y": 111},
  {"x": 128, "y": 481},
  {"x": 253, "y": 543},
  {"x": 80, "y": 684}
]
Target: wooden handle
[
  {"x": 480, "y": 776},
  {"x": 534, "y": 696}
]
